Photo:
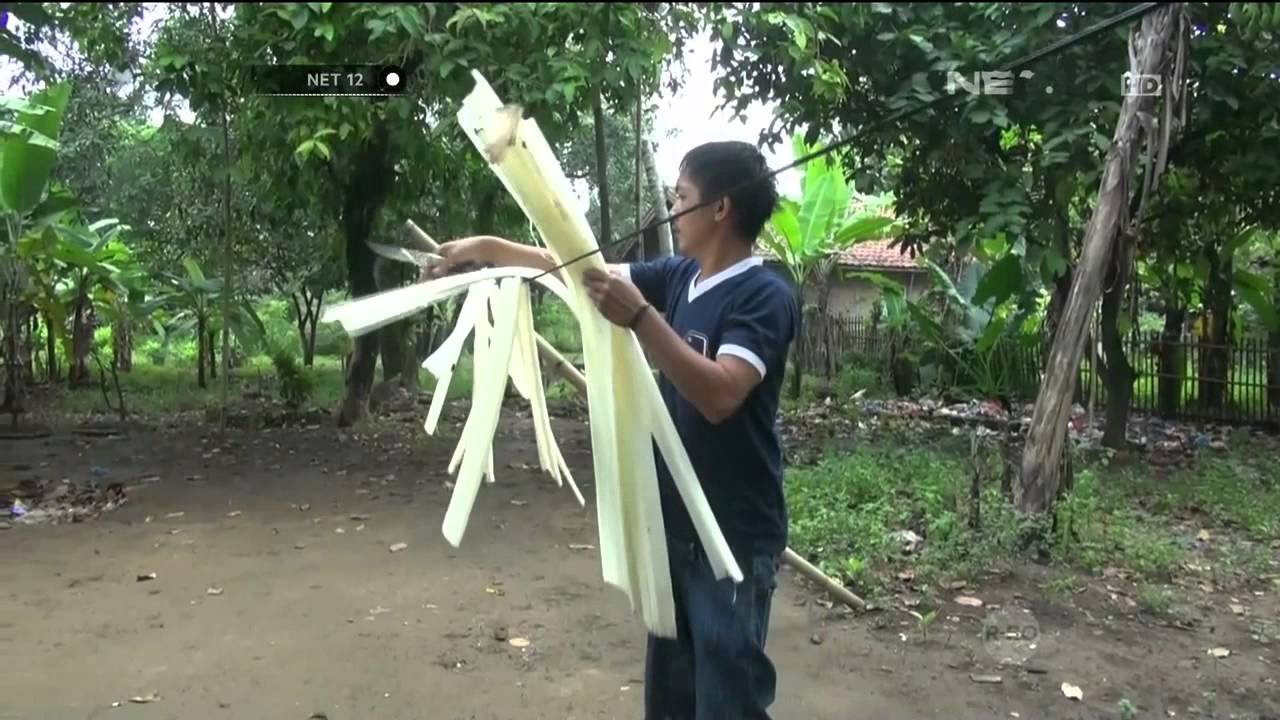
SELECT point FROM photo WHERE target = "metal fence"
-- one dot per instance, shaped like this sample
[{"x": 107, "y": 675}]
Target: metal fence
[{"x": 1188, "y": 378}]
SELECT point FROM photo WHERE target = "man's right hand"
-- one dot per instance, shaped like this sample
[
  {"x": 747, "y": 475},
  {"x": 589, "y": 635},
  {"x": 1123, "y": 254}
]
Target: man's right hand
[{"x": 458, "y": 254}]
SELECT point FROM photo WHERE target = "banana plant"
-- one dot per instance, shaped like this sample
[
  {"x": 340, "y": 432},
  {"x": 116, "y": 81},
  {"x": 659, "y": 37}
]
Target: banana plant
[
  {"x": 99, "y": 266},
  {"x": 194, "y": 299},
  {"x": 807, "y": 236},
  {"x": 972, "y": 327},
  {"x": 28, "y": 149}
]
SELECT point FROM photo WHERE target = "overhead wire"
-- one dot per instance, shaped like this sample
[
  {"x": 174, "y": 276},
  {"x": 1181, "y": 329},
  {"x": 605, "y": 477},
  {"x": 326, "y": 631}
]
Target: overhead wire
[{"x": 1053, "y": 48}]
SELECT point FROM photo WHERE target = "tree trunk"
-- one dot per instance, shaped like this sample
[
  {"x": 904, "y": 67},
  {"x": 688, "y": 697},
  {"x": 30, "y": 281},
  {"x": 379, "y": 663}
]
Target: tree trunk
[
  {"x": 1215, "y": 353},
  {"x": 1118, "y": 372},
  {"x": 602, "y": 165},
  {"x": 1057, "y": 302},
  {"x": 1041, "y": 471},
  {"x": 306, "y": 313},
  {"x": 391, "y": 345},
  {"x": 200, "y": 351},
  {"x": 825, "y": 269},
  {"x": 81, "y": 341},
  {"x": 51, "y": 352},
  {"x": 1273, "y": 379},
  {"x": 309, "y": 345},
  {"x": 639, "y": 180},
  {"x": 300, "y": 317},
  {"x": 1273, "y": 356},
  {"x": 799, "y": 350},
  {"x": 658, "y": 196},
  {"x": 213, "y": 356},
  {"x": 228, "y": 259},
  {"x": 29, "y": 344},
  {"x": 1172, "y": 359},
  {"x": 122, "y": 345},
  {"x": 13, "y": 390},
  {"x": 365, "y": 192}
]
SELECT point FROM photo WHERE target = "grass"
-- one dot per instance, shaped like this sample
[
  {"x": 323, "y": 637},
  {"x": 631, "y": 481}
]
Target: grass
[
  {"x": 1240, "y": 489},
  {"x": 848, "y": 510},
  {"x": 854, "y": 373},
  {"x": 154, "y": 390},
  {"x": 1155, "y": 599}
]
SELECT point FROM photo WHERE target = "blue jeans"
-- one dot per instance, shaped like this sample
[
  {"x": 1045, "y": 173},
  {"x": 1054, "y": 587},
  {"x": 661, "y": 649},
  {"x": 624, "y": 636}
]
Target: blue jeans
[{"x": 716, "y": 667}]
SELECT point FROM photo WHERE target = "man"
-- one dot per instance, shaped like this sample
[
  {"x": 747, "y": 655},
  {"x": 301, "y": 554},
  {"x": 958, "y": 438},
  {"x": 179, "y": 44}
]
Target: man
[{"x": 718, "y": 325}]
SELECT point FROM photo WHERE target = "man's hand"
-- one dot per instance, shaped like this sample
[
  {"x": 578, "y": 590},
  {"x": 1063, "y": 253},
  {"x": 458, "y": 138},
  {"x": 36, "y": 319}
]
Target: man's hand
[
  {"x": 617, "y": 299},
  {"x": 458, "y": 254}
]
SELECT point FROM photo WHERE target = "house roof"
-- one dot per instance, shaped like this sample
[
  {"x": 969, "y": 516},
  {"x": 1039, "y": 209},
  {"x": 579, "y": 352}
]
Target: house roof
[{"x": 875, "y": 254}]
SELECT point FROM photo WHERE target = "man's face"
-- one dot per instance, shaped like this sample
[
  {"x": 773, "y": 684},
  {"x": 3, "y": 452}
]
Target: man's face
[{"x": 695, "y": 229}]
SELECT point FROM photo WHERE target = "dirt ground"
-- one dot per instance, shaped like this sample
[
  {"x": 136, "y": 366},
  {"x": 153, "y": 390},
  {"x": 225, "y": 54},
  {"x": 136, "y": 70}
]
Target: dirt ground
[{"x": 277, "y": 596}]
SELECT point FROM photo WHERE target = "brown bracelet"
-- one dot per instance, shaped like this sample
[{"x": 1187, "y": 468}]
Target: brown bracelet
[{"x": 635, "y": 319}]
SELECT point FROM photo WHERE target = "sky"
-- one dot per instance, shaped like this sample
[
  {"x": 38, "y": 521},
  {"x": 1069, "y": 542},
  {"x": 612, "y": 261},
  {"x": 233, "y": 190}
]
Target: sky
[{"x": 691, "y": 118}]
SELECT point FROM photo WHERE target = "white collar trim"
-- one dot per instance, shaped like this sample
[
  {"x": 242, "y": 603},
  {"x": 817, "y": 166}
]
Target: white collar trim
[{"x": 697, "y": 288}]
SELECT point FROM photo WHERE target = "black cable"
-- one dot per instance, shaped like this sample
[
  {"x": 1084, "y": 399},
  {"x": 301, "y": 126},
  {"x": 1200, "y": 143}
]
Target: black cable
[{"x": 1052, "y": 48}]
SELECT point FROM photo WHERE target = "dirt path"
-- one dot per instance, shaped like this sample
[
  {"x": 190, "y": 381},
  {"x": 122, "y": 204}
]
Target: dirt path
[{"x": 317, "y": 615}]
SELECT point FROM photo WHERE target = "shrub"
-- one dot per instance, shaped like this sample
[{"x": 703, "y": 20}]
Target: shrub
[{"x": 294, "y": 382}]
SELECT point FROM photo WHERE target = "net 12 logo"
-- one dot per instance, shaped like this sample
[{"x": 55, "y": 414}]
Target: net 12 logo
[{"x": 329, "y": 80}]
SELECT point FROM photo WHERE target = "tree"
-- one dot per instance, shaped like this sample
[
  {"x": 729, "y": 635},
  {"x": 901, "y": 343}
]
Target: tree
[
  {"x": 192, "y": 298},
  {"x": 658, "y": 198},
  {"x": 965, "y": 169},
  {"x": 580, "y": 157},
  {"x": 97, "y": 264},
  {"x": 1156, "y": 45},
  {"x": 808, "y": 236},
  {"x": 28, "y": 149},
  {"x": 389, "y": 149}
]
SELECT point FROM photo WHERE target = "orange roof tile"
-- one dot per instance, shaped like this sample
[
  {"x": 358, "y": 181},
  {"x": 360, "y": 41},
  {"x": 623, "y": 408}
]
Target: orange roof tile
[
  {"x": 878, "y": 254},
  {"x": 872, "y": 254}
]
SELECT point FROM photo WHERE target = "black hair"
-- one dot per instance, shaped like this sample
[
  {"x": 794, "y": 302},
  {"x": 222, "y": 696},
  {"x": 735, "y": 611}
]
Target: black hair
[{"x": 720, "y": 168}]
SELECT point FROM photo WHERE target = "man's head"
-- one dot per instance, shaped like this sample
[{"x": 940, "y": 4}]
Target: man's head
[{"x": 712, "y": 170}]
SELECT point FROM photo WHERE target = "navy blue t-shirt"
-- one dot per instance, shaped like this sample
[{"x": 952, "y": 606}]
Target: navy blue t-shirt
[{"x": 748, "y": 311}]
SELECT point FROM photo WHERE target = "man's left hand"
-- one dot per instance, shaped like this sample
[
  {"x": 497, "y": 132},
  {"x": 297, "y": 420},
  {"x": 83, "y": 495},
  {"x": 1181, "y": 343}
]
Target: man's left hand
[{"x": 616, "y": 298}]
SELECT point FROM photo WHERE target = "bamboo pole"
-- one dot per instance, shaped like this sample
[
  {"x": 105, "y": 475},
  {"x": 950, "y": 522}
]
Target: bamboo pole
[{"x": 572, "y": 375}]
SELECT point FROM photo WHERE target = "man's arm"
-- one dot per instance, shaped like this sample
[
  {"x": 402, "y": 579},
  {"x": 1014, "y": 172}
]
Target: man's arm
[
  {"x": 717, "y": 388},
  {"x": 753, "y": 342},
  {"x": 492, "y": 250}
]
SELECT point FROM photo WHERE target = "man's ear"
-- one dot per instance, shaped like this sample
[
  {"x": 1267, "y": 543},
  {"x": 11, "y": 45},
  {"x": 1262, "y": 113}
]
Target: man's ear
[{"x": 722, "y": 208}]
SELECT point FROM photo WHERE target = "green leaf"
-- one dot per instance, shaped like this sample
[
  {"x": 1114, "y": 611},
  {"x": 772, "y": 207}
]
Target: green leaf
[
  {"x": 1257, "y": 299},
  {"x": 1055, "y": 264},
  {"x": 25, "y": 167},
  {"x": 786, "y": 223},
  {"x": 18, "y": 105},
  {"x": 862, "y": 230},
  {"x": 193, "y": 270},
  {"x": 1002, "y": 281},
  {"x": 1237, "y": 242},
  {"x": 885, "y": 283},
  {"x": 991, "y": 334}
]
